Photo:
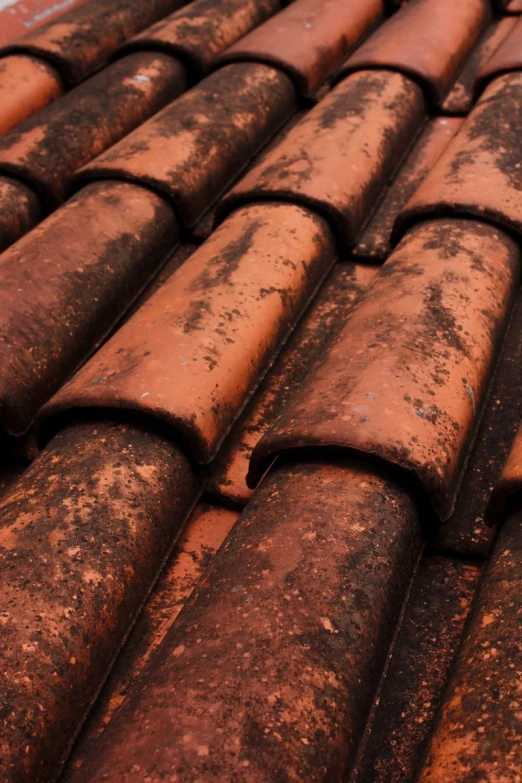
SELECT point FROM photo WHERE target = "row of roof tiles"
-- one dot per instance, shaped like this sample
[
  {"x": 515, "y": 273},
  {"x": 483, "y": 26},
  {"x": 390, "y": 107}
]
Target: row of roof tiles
[{"x": 305, "y": 581}]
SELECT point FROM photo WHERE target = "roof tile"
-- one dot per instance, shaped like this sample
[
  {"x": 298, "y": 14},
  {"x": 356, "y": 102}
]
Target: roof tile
[
  {"x": 309, "y": 39},
  {"x": 198, "y": 33},
  {"x": 405, "y": 379},
  {"x": 425, "y": 40},
  {"x": 46, "y": 150},
  {"x": 479, "y": 174},
  {"x": 338, "y": 157},
  {"x": 461, "y": 97},
  {"x": 304, "y": 350},
  {"x": 80, "y": 41},
  {"x": 18, "y": 16},
  {"x": 374, "y": 244},
  {"x": 26, "y": 85},
  {"x": 479, "y": 732},
  {"x": 192, "y": 149},
  {"x": 103, "y": 501},
  {"x": 507, "y": 57},
  {"x": 61, "y": 294},
  {"x": 20, "y": 210},
  {"x": 193, "y": 353},
  {"x": 508, "y": 490},
  {"x": 282, "y": 642}
]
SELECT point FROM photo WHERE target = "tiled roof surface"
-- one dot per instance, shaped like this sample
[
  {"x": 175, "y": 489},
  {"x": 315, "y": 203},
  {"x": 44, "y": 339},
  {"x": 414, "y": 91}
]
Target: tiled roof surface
[{"x": 261, "y": 362}]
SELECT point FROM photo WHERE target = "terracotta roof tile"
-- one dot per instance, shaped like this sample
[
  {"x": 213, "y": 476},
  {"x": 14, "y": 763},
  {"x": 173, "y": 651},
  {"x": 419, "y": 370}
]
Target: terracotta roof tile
[
  {"x": 19, "y": 16},
  {"x": 216, "y": 23},
  {"x": 368, "y": 395},
  {"x": 20, "y": 210},
  {"x": 406, "y": 377},
  {"x": 304, "y": 350},
  {"x": 479, "y": 731},
  {"x": 79, "y": 42},
  {"x": 103, "y": 502},
  {"x": 26, "y": 85},
  {"x": 261, "y": 649},
  {"x": 374, "y": 243},
  {"x": 200, "y": 345},
  {"x": 424, "y": 40},
  {"x": 460, "y": 98},
  {"x": 61, "y": 295},
  {"x": 479, "y": 173},
  {"x": 507, "y": 57},
  {"x": 428, "y": 637},
  {"x": 200, "y": 539},
  {"x": 309, "y": 39},
  {"x": 191, "y": 150},
  {"x": 370, "y": 117},
  {"x": 514, "y": 7}
]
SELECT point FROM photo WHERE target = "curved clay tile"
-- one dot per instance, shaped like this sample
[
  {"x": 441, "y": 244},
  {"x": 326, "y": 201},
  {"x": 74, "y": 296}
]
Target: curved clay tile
[
  {"x": 508, "y": 57},
  {"x": 26, "y": 85},
  {"x": 404, "y": 382},
  {"x": 338, "y": 158},
  {"x": 199, "y": 32},
  {"x": 199, "y": 346},
  {"x": 20, "y": 211},
  {"x": 309, "y": 39},
  {"x": 509, "y": 486},
  {"x": 425, "y": 40}
]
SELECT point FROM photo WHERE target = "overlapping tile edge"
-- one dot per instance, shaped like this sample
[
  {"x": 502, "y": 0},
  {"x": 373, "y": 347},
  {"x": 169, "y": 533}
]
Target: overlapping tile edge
[{"x": 402, "y": 581}]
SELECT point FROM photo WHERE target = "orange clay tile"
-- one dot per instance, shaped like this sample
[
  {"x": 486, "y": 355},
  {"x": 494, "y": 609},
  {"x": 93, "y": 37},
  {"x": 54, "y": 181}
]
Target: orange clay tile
[
  {"x": 193, "y": 149},
  {"x": 479, "y": 174},
  {"x": 83, "y": 535},
  {"x": 19, "y": 210},
  {"x": 425, "y": 40},
  {"x": 193, "y": 353},
  {"x": 514, "y": 7},
  {"x": 508, "y": 56},
  {"x": 19, "y": 16},
  {"x": 309, "y": 39},
  {"x": 508, "y": 490},
  {"x": 337, "y": 159},
  {"x": 204, "y": 533},
  {"x": 460, "y": 99},
  {"x": 198, "y": 33},
  {"x": 270, "y": 670},
  {"x": 405, "y": 380},
  {"x": 479, "y": 732},
  {"x": 305, "y": 349},
  {"x": 46, "y": 150},
  {"x": 64, "y": 285},
  {"x": 428, "y": 637},
  {"x": 81, "y": 41},
  {"x": 374, "y": 244},
  {"x": 26, "y": 86}
]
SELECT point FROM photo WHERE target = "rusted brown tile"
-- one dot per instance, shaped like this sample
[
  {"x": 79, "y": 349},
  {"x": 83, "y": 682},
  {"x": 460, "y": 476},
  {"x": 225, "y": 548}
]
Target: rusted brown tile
[
  {"x": 193, "y": 149},
  {"x": 80, "y": 42},
  {"x": 374, "y": 243},
  {"x": 425, "y": 40},
  {"x": 19, "y": 210},
  {"x": 309, "y": 39},
  {"x": 508, "y": 56},
  {"x": 271, "y": 667},
  {"x": 479, "y": 173},
  {"x": 428, "y": 638},
  {"x": 338, "y": 157},
  {"x": 46, "y": 150},
  {"x": 83, "y": 535},
  {"x": 65, "y": 285},
  {"x": 479, "y": 732},
  {"x": 205, "y": 532},
  {"x": 193, "y": 353},
  {"x": 465, "y": 532},
  {"x": 508, "y": 490},
  {"x": 26, "y": 86},
  {"x": 405, "y": 379},
  {"x": 17, "y": 16},
  {"x": 304, "y": 350},
  {"x": 202, "y": 30},
  {"x": 460, "y": 99}
]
